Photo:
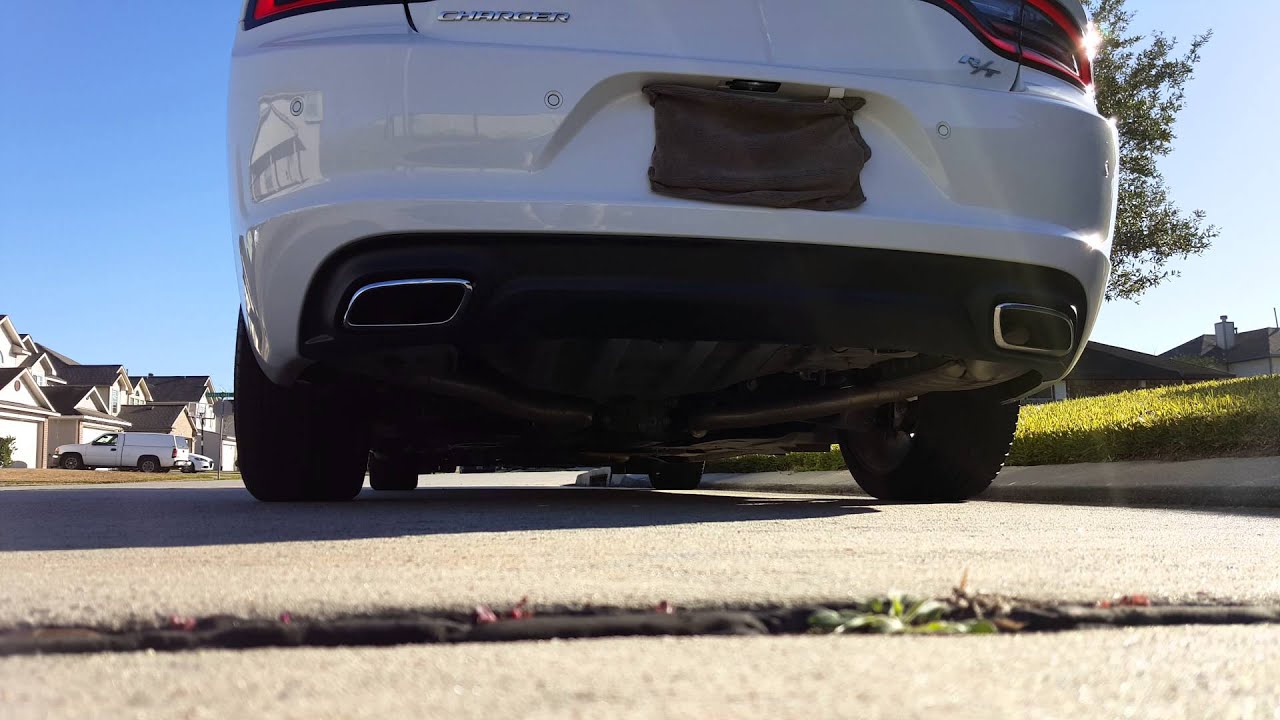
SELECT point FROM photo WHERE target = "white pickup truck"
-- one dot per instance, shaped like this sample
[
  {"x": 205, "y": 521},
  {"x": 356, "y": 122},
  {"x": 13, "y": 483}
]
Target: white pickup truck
[{"x": 148, "y": 452}]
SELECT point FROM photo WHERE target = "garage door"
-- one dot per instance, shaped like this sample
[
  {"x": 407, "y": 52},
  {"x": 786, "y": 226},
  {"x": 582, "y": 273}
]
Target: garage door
[
  {"x": 89, "y": 433},
  {"x": 28, "y": 436},
  {"x": 228, "y": 456}
]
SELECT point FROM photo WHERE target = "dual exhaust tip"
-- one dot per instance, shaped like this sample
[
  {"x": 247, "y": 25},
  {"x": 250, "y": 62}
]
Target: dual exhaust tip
[
  {"x": 424, "y": 302},
  {"x": 416, "y": 302},
  {"x": 1034, "y": 330}
]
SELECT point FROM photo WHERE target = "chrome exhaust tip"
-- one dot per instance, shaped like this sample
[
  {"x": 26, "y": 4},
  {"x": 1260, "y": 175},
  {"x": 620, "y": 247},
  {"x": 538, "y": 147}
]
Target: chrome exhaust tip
[
  {"x": 415, "y": 302},
  {"x": 1034, "y": 329}
]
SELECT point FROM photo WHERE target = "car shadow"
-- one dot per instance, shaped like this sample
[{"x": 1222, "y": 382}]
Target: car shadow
[
  {"x": 136, "y": 517},
  {"x": 1220, "y": 499},
  {"x": 1236, "y": 487}
]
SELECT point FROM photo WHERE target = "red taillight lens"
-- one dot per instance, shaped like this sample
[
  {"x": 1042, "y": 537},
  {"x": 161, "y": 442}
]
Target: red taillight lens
[
  {"x": 175, "y": 454},
  {"x": 1038, "y": 33},
  {"x": 1053, "y": 41},
  {"x": 262, "y": 11}
]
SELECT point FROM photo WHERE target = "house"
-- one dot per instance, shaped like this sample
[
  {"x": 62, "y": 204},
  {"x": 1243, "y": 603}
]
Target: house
[
  {"x": 42, "y": 367},
  {"x": 13, "y": 351},
  {"x": 196, "y": 393},
  {"x": 168, "y": 419},
  {"x": 82, "y": 415},
  {"x": 1105, "y": 369},
  {"x": 47, "y": 399},
  {"x": 193, "y": 391},
  {"x": 279, "y": 160},
  {"x": 111, "y": 381},
  {"x": 24, "y": 408},
  {"x": 141, "y": 391},
  {"x": 24, "y": 416},
  {"x": 1243, "y": 354},
  {"x": 43, "y": 371}
]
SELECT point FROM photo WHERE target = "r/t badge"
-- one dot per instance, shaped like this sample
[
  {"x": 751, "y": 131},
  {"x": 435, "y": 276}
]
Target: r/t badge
[{"x": 979, "y": 66}]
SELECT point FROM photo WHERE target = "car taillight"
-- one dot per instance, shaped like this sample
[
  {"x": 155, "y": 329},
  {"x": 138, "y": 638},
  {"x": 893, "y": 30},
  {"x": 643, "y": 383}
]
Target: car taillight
[
  {"x": 264, "y": 11},
  {"x": 1037, "y": 33},
  {"x": 175, "y": 454}
]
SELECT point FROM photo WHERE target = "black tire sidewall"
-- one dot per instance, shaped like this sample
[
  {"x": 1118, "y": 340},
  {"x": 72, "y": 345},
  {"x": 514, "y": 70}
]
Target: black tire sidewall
[
  {"x": 286, "y": 452},
  {"x": 960, "y": 443}
]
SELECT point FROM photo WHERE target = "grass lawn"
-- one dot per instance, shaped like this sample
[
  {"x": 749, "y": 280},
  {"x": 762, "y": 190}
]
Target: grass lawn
[
  {"x": 16, "y": 476},
  {"x": 1225, "y": 418}
]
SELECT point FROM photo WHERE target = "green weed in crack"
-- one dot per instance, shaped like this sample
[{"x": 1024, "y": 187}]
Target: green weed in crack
[{"x": 897, "y": 614}]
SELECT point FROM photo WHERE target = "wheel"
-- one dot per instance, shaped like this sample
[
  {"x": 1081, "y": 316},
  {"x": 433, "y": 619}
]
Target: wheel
[
  {"x": 947, "y": 448},
  {"x": 305, "y": 442},
  {"x": 676, "y": 476},
  {"x": 148, "y": 464},
  {"x": 72, "y": 462},
  {"x": 392, "y": 472}
]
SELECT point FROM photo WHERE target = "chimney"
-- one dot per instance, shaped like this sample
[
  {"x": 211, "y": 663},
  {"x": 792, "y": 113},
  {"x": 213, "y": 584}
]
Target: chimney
[{"x": 1225, "y": 333}]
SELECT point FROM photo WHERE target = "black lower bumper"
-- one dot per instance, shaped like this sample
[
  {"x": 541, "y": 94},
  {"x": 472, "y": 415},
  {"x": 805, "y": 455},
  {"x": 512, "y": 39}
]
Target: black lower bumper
[{"x": 529, "y": 287}]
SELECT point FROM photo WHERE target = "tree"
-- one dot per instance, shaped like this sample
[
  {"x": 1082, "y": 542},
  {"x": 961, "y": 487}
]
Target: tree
[
  {"x": 7, "y": 444},
  {"x": 1140, "y": 81}
]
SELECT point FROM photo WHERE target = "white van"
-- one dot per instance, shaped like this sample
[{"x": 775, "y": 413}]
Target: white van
[{"x": 148, "y": 452}]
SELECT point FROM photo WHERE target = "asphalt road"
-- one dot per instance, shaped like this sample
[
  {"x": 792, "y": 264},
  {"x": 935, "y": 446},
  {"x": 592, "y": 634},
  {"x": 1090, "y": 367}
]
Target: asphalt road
[{"x": 1193, "y": 532}]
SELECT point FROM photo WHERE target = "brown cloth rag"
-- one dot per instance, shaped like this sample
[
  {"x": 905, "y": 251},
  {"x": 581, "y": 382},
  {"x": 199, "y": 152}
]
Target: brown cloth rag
[{"x": 730, "y": 147}]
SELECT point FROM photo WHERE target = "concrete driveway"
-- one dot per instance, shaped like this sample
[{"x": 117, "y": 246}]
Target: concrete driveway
[{"x": 1191, "y": 532}]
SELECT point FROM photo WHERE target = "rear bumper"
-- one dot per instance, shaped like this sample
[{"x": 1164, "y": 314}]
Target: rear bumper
[
  {"x": 593, "y": 287},
  {"x": 384, "y": 145},
  {"x": 280, "y": 258}
]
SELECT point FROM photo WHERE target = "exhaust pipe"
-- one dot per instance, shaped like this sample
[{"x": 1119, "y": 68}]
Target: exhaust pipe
[
  {"x": 1033, "y": 329},
  {"x": 417, "y": 302},
  {"x": 562, "y": 413},
  {"x": 950, "y": 376}
]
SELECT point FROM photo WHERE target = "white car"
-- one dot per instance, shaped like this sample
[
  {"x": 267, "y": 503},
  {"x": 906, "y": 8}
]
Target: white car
[
  {"x": 147, "y": 452},
  {"x": 652, "y": 234},
  {"x": 199, "y": 463}
]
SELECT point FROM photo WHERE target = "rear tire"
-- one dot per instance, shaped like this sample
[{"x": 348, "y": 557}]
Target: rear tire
[
  {"x": 72, "y": 462},
  {"x": 299, "y": 443},
  {"x": 148, "y": 464},
  {"x": 950, "y": 448},
  {"x": 676, "y": 476},
  {"x": 393, "y": 472}
]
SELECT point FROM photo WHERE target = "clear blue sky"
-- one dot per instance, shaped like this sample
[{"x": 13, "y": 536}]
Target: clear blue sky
[{"x": 113, "y": 199}]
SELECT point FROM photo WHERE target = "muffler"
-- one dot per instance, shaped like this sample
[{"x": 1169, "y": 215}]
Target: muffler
[
  {"x": 415, "y": 302},
  {"x": 1033, "y": 329}
]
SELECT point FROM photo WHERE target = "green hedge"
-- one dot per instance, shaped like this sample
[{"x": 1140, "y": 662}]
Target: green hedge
[
  {"x": 1181, "y": 422},
  {"x": 1185, "y": 422}
]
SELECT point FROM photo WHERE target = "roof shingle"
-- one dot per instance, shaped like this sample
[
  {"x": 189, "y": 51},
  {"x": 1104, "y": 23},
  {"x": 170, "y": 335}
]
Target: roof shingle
[
  {"x": 60, "y": 361},
  {"x": 177, "y": 388},
  {"x": 65, "y": 397},
  {"x": 90, "y": 374},
  {"x": 1109, "y": 362},
  {"x": 151, "y": 418}
]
